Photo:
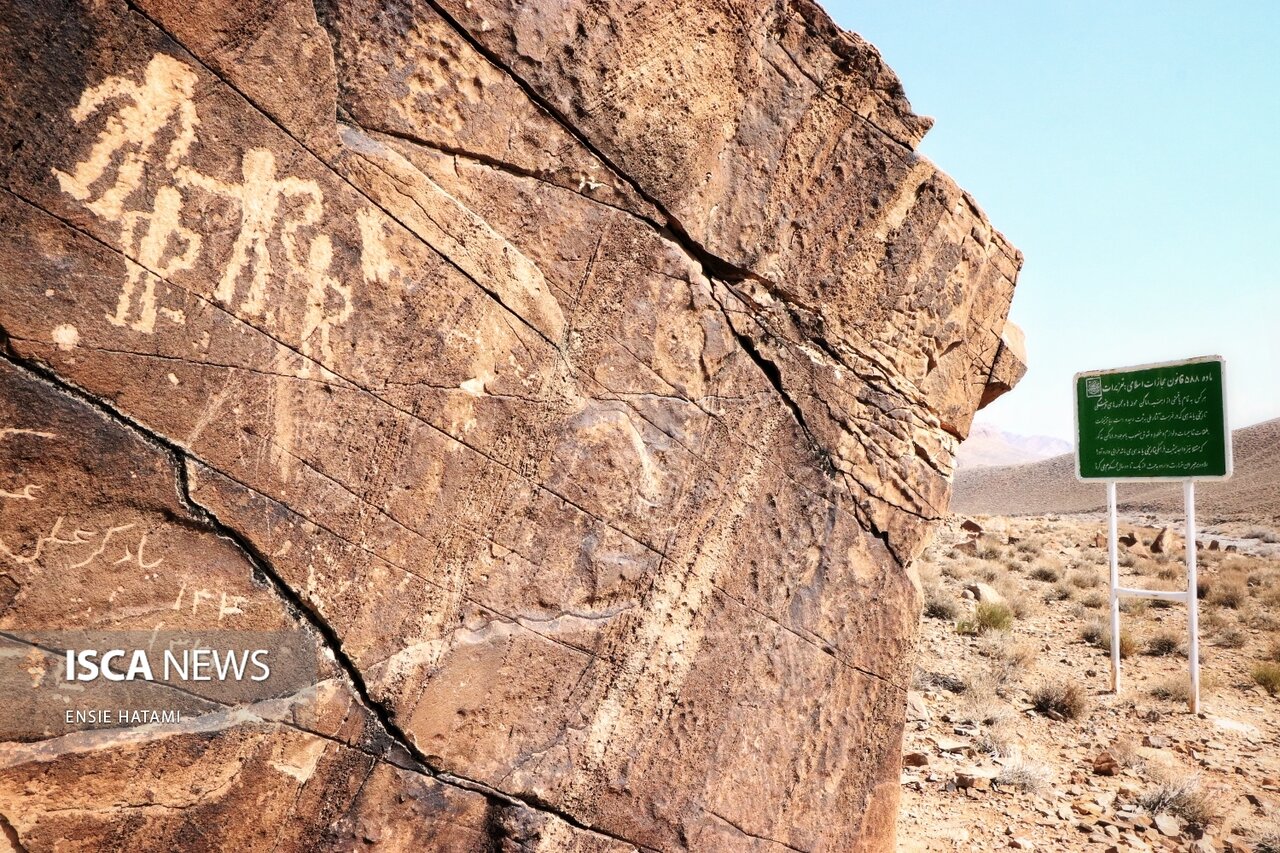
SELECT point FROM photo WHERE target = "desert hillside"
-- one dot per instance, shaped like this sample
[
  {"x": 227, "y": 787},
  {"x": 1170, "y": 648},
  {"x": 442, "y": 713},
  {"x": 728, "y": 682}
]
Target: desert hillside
[
  {"x": 1014, "y": 740},
  {"x": 989, "y": 445},
  {"x": 1051, "y": 486}
]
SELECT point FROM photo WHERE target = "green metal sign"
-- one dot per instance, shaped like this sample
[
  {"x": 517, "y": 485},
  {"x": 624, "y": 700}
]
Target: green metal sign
[{"x": 1154, "y": 422}]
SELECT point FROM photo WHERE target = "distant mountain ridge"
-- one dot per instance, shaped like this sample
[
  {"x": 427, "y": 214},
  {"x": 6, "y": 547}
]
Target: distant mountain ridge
[
  {"x": 989, "y": 445},
  {"x": 1051, "y": 485}
]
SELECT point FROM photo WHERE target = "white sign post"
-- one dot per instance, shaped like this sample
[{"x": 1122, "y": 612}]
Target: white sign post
[{"x": 1151, "y": 423}]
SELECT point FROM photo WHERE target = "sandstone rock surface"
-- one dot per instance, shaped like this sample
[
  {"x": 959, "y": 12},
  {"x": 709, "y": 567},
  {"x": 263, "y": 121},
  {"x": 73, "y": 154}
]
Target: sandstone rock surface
[{"x": 572, "y": 383}]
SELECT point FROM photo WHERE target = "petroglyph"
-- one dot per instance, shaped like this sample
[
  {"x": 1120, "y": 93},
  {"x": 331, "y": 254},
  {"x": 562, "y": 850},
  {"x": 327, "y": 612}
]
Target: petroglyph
[
  {"x": 163, "y": 97},
  {"x": 125, "y": 160},
  {"x": 259, "y": 198},
  {"x": 26, "y": 493},
  {"x": 160, "y": 229},
  {"x": 66, "y": 337}
]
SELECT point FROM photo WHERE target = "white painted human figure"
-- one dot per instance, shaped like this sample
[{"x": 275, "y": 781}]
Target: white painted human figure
[
  {"x": 163, "y": 97},
  {"x": 317, "y": 321},
  {"x": 259, "y": 196},
  {"x": 159, "y": 228}
]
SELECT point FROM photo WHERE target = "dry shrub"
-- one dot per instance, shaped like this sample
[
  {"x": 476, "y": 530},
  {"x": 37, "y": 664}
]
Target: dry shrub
[
  {"x": 1268, "y": 843},
  {"x": 1030, "y": 777},
  {"x": 1267, "y": 675},
  {"x": 1095, "y": 600},
  {"x": 940, "y": 604},
  {"x": 1059, "y": 592},
  {"x": 1084, "y": 579},
  {"x": 1164, "y": 644},
  {"x": 1273, "y": 651},
  {"x": 1231, "y": 637},
  {"x": 1228, "y": 592},
  {"x": 1044, "y": 570},
  {"x": 1128, "y": 559},
  {"x": 987, "y": 549},
  {"x": 987, "y": 616},
  {"x": 1064, "y": 698},
  {"x": 1096, "y": 633},
  {"x": 1170, "y": 571},
  {"x": 1030, "y": 545},
  {"x": 1134, "y": 606},
  {"x": 1181, "y": 797}
]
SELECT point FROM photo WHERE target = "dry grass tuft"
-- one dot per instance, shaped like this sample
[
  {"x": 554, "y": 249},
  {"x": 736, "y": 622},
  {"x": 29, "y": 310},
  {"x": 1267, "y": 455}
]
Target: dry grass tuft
[
  {"x": 1066, "y": 700},
  {"x": 1229, "y": 592},
  {"x": 1030, "y": 777},
  {"x": 987, "y": 616},
  {"x": 1181, "y": 797},
  {"x": 1231, "y": 637},
  {"x": 940, "y": 604},
  {"x": 1059, "y": 592},
  {"x": 1043, "y": 570},
  {"x": 1095, "y": 600},
  {"x": 1084, "y": 579},
  {"x": 1164, "y": 644},
  {"x": 1267, "y": 675}
]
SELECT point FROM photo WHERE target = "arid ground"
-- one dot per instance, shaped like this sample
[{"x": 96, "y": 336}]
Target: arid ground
[{"x": 1013, "y": 739}]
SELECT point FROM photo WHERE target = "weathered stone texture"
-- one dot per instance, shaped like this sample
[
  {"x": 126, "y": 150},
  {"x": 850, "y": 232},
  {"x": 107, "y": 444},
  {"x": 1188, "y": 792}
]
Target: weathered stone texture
[{"x": 581, "y": 378}]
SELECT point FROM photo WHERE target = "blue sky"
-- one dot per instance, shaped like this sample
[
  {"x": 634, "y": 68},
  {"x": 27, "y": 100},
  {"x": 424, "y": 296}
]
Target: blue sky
[{"x": 1132, "y": 151}]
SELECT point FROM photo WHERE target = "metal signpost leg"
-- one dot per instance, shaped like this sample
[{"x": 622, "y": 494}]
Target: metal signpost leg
[
  {"x": 1193, "y": 602},
  {"x": 1114, "y": 559}
]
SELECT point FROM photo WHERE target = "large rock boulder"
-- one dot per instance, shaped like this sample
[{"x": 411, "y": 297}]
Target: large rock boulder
[{"x": 568, "y": 386}]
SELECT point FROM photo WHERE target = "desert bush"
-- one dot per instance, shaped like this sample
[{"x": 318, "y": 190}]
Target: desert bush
[
  {"x": 1059, "y": 592},
  {"x": 1228, "y": 593},
  {"x": 1030, "y": 545},
  {"x": 1170, "y": 571},
  {"x": 1063, "y": 698},
  {"x": 987, "y": 549},
  {"x": 1128, "y": 559},
  {"x": 1043, "y": 570},
  {"x": 1268, "y": 843},
  {"x": 1231, "y": 637},
  {"x": 1262, "y": 533},
  {"x": 1097, "y": 633},
  {"x": 1018, "y": 774},
  {"x": 1095, "y": 600},
  {"x": 1267, "y": 675},
  {"x": 924, "y": 679},
  {"x": 1134, "y": 606},
  {"x": 1181, "y": 797},
  {"x": 987, "y": 616},
  {"x": 1083, "y": 579},
  {"x": 940, "y": 604},
  {"x": 1273, "y": 651},
  {"x": 1164, "y": 644}
]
